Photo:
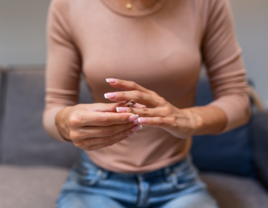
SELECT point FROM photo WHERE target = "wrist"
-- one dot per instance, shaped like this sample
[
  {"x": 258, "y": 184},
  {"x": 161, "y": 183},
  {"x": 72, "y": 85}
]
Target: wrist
[
  {"x": 60, "y": 124},
  {"x": 196, "y": 121}
]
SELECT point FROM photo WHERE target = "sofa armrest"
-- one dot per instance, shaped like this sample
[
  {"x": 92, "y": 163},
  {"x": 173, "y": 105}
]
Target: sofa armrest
[{"x": 259, "y": 128}]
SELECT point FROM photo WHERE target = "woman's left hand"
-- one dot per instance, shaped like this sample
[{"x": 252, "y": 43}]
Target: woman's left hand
[{"x": 181, "y": 123}]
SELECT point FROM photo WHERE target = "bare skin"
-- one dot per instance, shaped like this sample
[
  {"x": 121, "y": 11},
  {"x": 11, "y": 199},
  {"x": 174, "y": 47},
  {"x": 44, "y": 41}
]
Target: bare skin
[
  {"x": 181, "y": 123},
  {"x": 95, "y": 126}
]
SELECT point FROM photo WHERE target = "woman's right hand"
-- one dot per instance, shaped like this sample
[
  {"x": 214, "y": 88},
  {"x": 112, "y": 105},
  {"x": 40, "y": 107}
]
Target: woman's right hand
[{"x": 94, "y": 126}]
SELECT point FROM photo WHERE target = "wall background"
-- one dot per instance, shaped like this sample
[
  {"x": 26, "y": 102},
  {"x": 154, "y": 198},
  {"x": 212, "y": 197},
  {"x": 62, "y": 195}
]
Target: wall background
[{"x": 22, "y": 35}]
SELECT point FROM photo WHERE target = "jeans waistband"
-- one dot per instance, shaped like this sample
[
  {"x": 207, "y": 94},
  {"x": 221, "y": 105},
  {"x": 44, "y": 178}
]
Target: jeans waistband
[{"x": 175, "y": 168}]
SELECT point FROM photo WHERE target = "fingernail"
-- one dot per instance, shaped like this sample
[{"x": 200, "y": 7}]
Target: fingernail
[
  {"x": 121, "y": 109},
  {"x": 136, "y": 122},
  {"x": 131, "y": 134},
  {"x": 110, "y": 95},
  {"x": 136, "y": 128},
  {"x": 142, "y": 120},
  {"x": 111, "y": 80},
  {"x": 132, "y": 118}
]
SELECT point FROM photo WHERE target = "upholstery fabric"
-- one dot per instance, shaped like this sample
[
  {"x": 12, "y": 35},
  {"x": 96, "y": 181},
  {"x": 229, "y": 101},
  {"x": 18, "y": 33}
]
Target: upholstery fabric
[
  {"x": 230, "y": 152},
  {"x": 236, "y": 192},
  {"x": 260, "y": 143},
  {"x": 35, "y": 187},
  {"x": 39, "y": 187},
  {"x": 24, "y": 141}
]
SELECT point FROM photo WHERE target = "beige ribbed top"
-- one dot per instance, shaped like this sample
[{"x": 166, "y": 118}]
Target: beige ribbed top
[{"x": 162, "y": 50}]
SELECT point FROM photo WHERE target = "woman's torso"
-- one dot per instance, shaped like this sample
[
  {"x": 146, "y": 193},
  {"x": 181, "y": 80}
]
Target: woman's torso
[{"x": 160, "y": 51}]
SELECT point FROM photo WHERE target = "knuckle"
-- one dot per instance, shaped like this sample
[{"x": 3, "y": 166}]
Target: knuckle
[
  {"x": 153, "y": 93},
  {"x": 173, "y": 122},
  {"x": 145, "y": 112},
  {"x": 75, "y": 120},
  {"x": 167, "y": 111},
  {"x": 73, "y": 135},
  {"x": 79, "y": 145},
  {"x": 133, "y": 84},
  {"x": 138, "y": 94},
  {"x": 161, "y": 122},
  {"x": 104, "y": 119},
  {"x": 162, "y": 101}
]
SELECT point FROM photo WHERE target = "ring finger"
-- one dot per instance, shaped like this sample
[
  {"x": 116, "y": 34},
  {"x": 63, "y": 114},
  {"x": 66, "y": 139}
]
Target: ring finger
[{"x": 141, "y": 112}]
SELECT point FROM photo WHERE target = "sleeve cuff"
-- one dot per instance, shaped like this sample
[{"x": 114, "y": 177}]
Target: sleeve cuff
[
  {"x": 50, "y": 125},
  {"x": 236, "y": 108}
]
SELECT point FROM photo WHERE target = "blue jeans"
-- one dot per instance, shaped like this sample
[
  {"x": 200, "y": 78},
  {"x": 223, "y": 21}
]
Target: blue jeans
[{"x": 175, "y": 186}]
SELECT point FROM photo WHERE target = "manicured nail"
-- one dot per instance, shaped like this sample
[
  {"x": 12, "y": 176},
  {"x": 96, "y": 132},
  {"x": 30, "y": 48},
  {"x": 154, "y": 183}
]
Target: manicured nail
[
  {"x": 111, "y": 80},
  {"x": 131, "y": 134},
  {"x": 110, "y": 95},
  {"x": 142, "y": 120},
  {"x": 132, "y": 118},
  {"x": 121, "y": 109},
  {"x": 136, "y": 122},
  {"x": 136, "y": 128}
]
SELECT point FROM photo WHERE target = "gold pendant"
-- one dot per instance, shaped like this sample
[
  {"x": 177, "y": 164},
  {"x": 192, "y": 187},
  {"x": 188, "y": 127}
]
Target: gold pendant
[{"x": 129, "y": 6}]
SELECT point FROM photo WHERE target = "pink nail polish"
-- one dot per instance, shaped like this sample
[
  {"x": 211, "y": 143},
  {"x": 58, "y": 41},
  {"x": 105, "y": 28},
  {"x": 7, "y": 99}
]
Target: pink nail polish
[
  {"x": 121, "y": 109},
  {"x": 136, "y": 122},
  {"x": 132, "y": 118},
  {"x": 111, "y": 80},
  {"x": 110, "y": 95},
  {"x": 136, "y": 128},
  {"x": 142, "y": 120}
]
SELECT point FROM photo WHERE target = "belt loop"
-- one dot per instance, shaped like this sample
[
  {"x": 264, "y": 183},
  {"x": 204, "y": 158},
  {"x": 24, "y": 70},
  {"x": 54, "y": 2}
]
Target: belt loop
[{"x": 104, "y": 175}]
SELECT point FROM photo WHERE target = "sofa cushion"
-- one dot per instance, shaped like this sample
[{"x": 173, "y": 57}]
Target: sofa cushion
[
  {"x": 236, "y": 192},
  {"x": 24, "y": 140},
  {"x": 38, "y": 187},
  {"x": 260, "y": 143},
  {"x": 231, "y": 152}
]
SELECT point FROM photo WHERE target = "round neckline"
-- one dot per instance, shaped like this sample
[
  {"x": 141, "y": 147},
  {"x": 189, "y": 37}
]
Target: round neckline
[{"x": 112, "y": 5}]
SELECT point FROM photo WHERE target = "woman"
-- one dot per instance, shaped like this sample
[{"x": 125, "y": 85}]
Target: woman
[{"x": 138, "y": 156}]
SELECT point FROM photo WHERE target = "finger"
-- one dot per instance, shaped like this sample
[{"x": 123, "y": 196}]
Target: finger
[
  {"x": 101, "y": 107},
  {"x": 140, "y": 97},
  {"x": 109, "y": 139},
  {"x": 161, "y": 122},
  {"x": 137, "y": 105},
  {"x": 126, "y": 85},
  {"x": 85, "y": 118},
  {"x": 98, "y": 131},
  {"x": 141, "y": 112}
]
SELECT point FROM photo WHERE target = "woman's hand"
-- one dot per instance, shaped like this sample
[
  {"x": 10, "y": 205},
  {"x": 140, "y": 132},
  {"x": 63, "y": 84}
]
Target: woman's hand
[
  {"x": 94, "y": 126},
  {"x": 159, "y": 112}
]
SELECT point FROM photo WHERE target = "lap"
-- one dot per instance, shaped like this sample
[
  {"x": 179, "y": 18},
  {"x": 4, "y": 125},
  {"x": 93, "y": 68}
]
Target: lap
[
  {"x": 176, "y": 186},
  {"x": 193, "y": 200},
  {"x": 84, "y": 200}
]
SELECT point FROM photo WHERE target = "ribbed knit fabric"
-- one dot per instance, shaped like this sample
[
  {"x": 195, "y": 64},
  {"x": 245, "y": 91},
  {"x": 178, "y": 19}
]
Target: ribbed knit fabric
[{"x": 162, "y": 51}]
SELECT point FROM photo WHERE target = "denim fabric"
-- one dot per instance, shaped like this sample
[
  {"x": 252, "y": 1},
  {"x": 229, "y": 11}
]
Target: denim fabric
[{"x": 176, "y": 186}]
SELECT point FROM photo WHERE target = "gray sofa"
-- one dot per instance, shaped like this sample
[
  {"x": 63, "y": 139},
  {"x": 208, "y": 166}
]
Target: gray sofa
[{"x": 33, "y": 166}]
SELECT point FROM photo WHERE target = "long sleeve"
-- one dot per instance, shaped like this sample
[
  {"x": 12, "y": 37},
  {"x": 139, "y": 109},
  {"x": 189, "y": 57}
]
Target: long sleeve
[
  {"x": 225, "y": 68},
  {"x": 63, "y": 66}
]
